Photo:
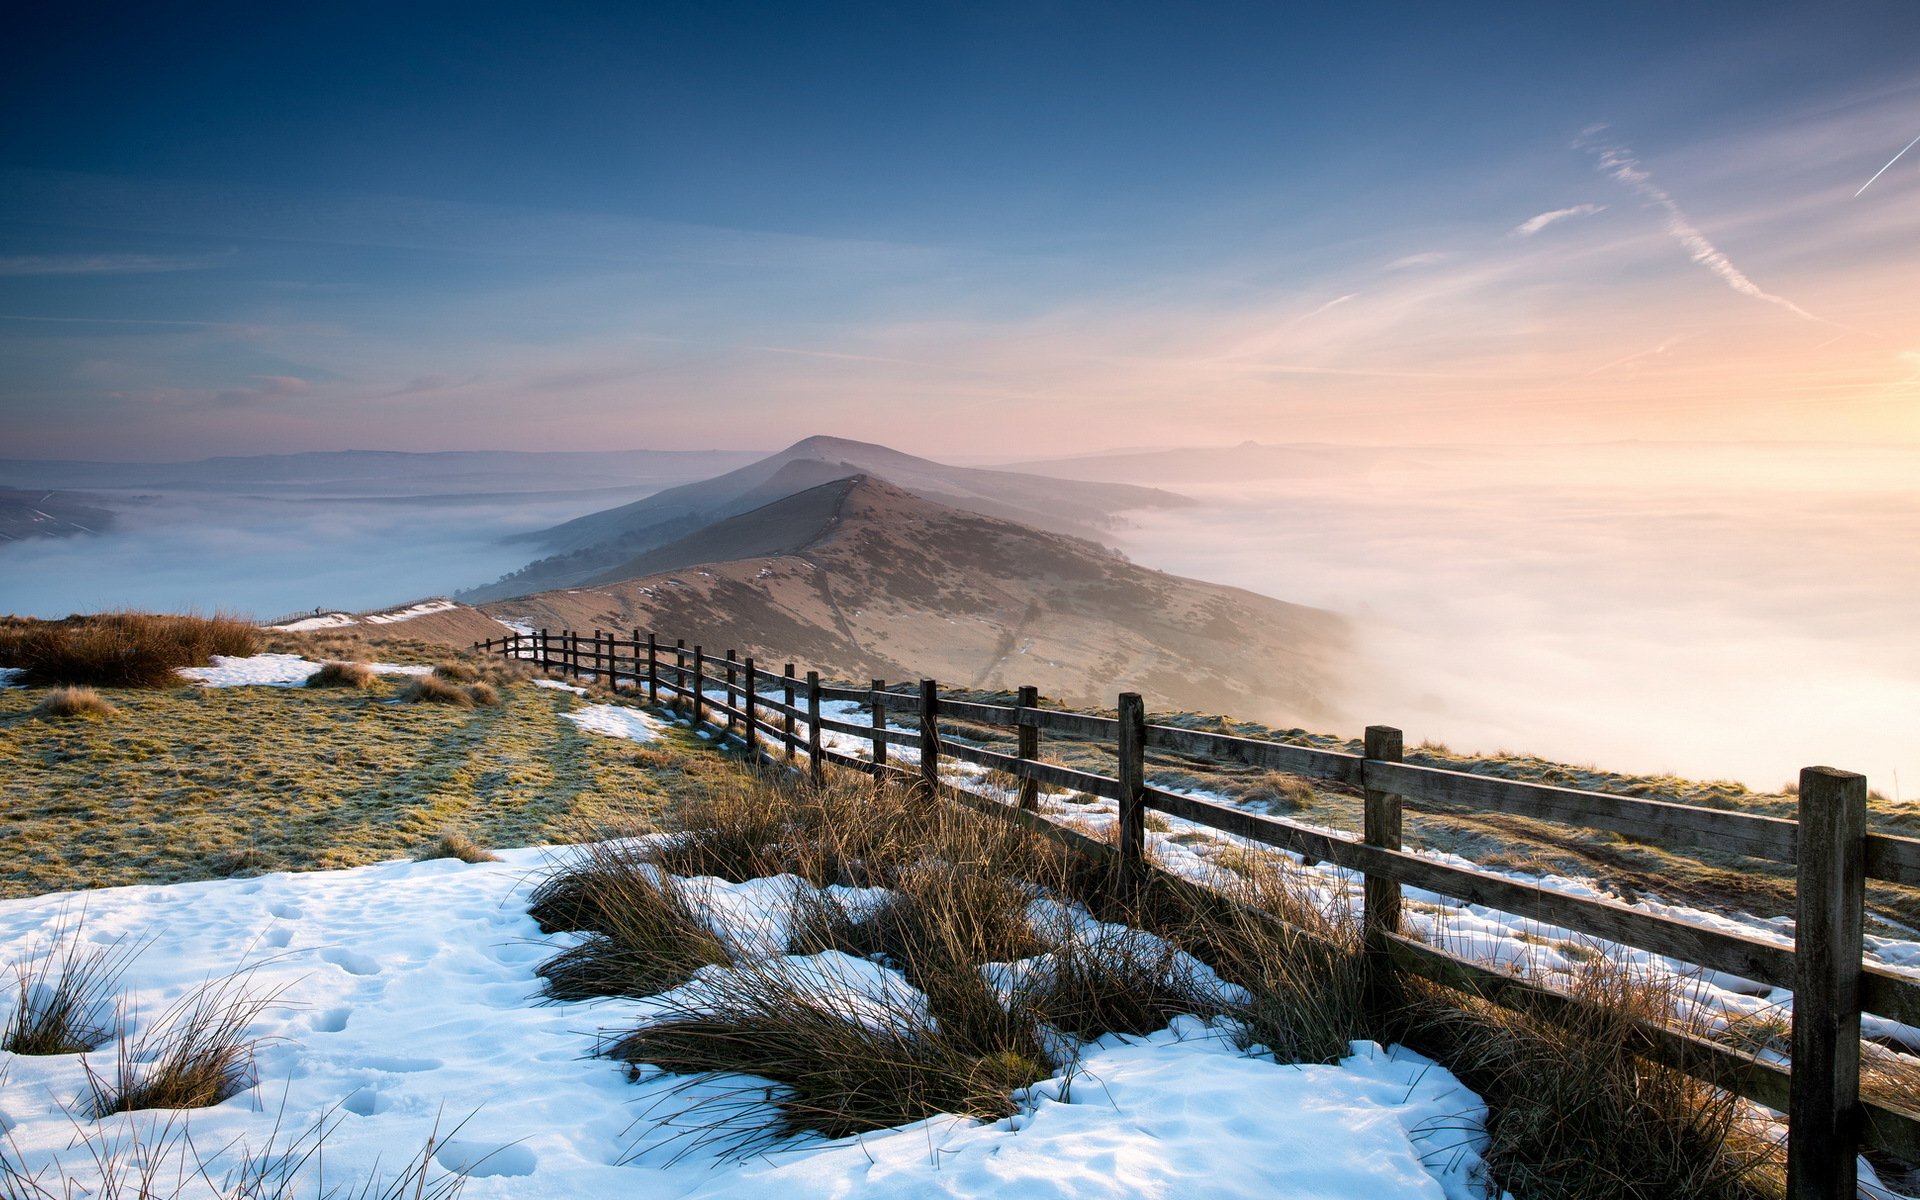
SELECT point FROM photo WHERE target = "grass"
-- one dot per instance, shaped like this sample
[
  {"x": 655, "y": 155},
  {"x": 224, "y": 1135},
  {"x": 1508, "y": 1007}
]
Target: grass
[
  {"x": 196, "y": 1055},
  {"x": 63, "y": 703},
  {"x": 198, "y": 783},
  {"x": 120, "y": 649},
  {"x": 438, "y": 689},
  {"x": 1278, "y": 792},
  {"x": 454, "y": 844},
  {"x": 357, "y": 675},
  {"x": 64, "y": 999},
  {"x": 645, "y": 935}
]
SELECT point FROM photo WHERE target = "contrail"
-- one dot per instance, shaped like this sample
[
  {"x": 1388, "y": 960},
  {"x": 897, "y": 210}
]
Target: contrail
[{"x": 1883, "y": 170}]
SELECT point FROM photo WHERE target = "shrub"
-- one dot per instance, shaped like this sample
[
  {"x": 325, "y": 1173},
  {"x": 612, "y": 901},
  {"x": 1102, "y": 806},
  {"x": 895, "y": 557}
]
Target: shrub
[
  {"x": 483, "y": 694},
  {"x": 62, "y": 1001},
  {"x": 196, "y": 1055},
  {"x": 121, "y": 649},
  {"x": 454, "y": 844},
  {"x": 457, "y": 672},
  {"x": 342, "y": 674},
  {"x": 64, "y": 702}
]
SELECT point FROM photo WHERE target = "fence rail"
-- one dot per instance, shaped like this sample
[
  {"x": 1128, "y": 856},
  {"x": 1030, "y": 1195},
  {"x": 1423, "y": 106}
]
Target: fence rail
[{"x": 1828, "y": 845}]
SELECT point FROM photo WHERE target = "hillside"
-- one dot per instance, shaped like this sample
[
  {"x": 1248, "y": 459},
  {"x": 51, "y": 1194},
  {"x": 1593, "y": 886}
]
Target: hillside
[
  {"x": 864, "y": 579},
  {"x": 587, "y": 547}
]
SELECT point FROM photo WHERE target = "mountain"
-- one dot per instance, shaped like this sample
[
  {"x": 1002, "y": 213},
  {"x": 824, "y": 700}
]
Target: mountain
[
  {"x": 587, "y": 547},
  {"x": 867, "y": 580}
]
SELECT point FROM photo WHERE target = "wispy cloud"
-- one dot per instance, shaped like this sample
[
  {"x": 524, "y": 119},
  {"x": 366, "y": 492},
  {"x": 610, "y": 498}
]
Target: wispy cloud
[
  {"x": 1618, "y": 163},
  {"x": 99, "y": 264},
  {"x": 1535, "y": 224},
  {"x": 1428, "y": 258},
  {"x": 1336, "y": 302}
]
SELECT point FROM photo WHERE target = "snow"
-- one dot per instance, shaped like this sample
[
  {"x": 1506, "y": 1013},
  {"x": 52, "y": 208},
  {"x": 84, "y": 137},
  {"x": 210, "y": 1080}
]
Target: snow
[
  {"x": 422, "y": 609},
  {"x": 8, "y": 675},
  {"x": 276, "y": 670},
  {"x": 557, "y": 686},
  {"x": 407, "y": 1002},
  {"x": 616, "y": 721},
  {"x": 322, "y": 621}
]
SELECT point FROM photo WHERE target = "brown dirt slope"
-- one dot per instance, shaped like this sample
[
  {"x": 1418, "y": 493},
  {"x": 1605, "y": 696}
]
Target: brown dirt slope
[{"x": 891, "y": 585}]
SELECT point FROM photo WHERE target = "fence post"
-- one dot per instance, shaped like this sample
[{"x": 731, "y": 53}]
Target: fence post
[
  {"x": 733, "y": 677},
  {"x": 929, "y": 740},
  {"x": 879, "y": 698},
  {"x": 699, "y": 685},
  {"x": 1132, "y": 751},
  {"x": 603, "y": 657},
  {"x": 1380, "y": 914},
  {"x": 747, "y": 705},
  {"x": 1823, "y": 1117},
  {"x": 543, "y": 654},
  {"x": 653, "y": 667},
  {"x": 1028, "y": 748},
  {"x": 786, "y": 719},
  {"x": 816, "y": 770}
]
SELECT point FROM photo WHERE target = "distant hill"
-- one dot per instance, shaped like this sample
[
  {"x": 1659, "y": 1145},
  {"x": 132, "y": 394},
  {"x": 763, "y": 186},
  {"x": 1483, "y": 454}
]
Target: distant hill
[
  {"x": 866, "y": 579},
  {"x": 385, "y": 472},
  {"x": 588, "y": 547}
]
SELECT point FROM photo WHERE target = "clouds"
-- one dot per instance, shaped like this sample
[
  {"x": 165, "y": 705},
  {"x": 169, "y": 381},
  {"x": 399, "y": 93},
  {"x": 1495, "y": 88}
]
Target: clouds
[
  {"x": 1535, "y": 224},
  {"x": 99, "y": 264},
  {"x": 1618, "y": 163}
]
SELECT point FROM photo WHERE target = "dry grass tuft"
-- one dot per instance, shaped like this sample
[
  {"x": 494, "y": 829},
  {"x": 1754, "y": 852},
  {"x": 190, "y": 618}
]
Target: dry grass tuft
[
  {"x": 196, "y": 1055},
  {"x": 120, "y": 649},
  {"x": 65, "y": 702},
  {"x": 342, "y": 674},
  {"x": 455, "y": 844},
  {"x": 1277, "y": 791},
  {"x": 1574, "y": 1114},
  {"x": 63, "y": 1001},
  {"x": 646, "y": 936},
  {"x": 434, "y": 689},
  {"x": 457, "y": 672}
]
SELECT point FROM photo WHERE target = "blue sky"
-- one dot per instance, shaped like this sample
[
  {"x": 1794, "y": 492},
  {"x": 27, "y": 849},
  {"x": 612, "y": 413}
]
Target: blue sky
[{"x": 1037, "y": 227}]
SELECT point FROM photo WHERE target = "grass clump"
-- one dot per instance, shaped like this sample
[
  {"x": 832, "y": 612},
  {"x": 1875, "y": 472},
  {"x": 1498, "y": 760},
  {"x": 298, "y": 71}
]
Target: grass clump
[
  {"x": 357, "y": 675},
  {"x": 645, "y": 934},
  {"x": 1574, "y": 1114},
  {"x": 456, "y": 672},
  {"x": 196, "y": 1055},
  {"x": 120, "y": 649},
  {"x": 1277, "y": 791},
  {"x": 63, "y": 703},
  {"x": 437, "y": 689},
  {"x": 455, "y": 844},
  {"x": 63, "y": 1001}
]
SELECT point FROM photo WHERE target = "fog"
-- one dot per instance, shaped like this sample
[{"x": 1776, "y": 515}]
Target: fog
[
  {"x": 273, "y": 557},
  {"x": 1603, "y": 604}
]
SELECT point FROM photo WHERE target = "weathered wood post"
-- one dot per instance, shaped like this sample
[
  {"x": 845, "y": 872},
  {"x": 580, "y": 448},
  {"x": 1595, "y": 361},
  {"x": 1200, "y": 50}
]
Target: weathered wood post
[
  {"x": 929, "y": 740},
  {"x": 542, "y": 651},
  {"x": 816, "y": 769},
  {"x": 1132, "y": 751},
  {"x": 699, "y": 685},
  {"x": 879, "y": 697},
  {"x": 1380, "y": 826},
  {"x": 749, "y": 703},
  {"x": 653, "y": 667},
  {"x": 1028, "y": 735},
  {"x": 680, "y": 667},
  {"x": 603, "y": 657},
  {"x": 733, "y": 677},
  {"x": 1823, "y": 1117},
  {"x": 787, "y": 693}
]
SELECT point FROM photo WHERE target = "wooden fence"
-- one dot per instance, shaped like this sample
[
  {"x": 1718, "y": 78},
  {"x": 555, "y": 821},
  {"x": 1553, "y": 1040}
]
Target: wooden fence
[{"x": 1829, "y": 846}]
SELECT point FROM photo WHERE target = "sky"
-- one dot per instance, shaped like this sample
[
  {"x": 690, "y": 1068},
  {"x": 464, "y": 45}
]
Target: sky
[{"x": 986, "y": 230}]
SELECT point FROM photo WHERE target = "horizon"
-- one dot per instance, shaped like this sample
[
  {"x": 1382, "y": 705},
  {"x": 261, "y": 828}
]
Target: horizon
[{"x": 1649, "y": 223}]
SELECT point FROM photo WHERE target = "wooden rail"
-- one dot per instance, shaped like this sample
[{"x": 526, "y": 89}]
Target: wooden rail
[{"x": 1833, "y": 856}]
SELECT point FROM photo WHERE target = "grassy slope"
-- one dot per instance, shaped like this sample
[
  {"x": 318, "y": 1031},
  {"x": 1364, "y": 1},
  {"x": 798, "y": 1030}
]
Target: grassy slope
[{"x": 194, "y": 783}]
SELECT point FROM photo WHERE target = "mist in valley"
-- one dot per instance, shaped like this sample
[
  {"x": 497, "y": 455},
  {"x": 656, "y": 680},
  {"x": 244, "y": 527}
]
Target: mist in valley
[{"x": 1729, "y": 612}]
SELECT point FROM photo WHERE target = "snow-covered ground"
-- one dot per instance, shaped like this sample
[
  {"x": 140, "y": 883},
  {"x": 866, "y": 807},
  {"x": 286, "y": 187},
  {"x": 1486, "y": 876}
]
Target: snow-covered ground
[
  {"x": 406, "y": 1001},
  {"x": 339, "y": 620},
  {"x": 276, "y": 670}
]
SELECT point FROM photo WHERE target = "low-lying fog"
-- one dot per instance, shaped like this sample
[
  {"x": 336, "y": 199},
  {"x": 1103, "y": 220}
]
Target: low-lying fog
[
  {"x": 1611, "y": 605},
  {"x": 273, "y": 557}
]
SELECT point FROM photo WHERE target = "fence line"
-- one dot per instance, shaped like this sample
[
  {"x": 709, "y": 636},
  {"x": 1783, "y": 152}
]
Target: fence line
[{"x": 1829, "y": 846}]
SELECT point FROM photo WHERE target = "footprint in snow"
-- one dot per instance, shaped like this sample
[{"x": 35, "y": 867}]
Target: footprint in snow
[{"x": 351, "y": 963}]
